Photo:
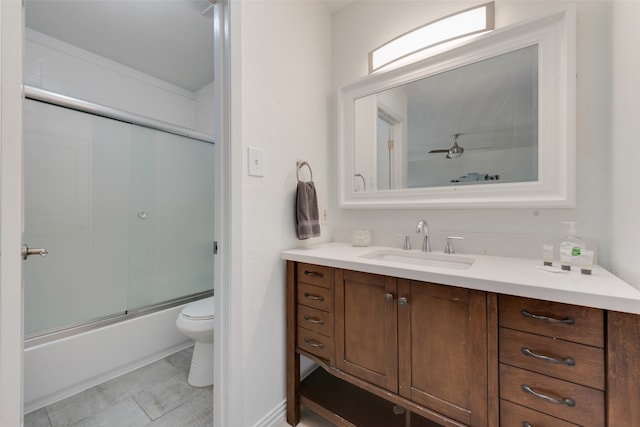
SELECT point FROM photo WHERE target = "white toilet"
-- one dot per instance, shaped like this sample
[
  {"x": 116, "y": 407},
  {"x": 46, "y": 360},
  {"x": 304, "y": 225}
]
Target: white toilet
[{"x": 196, "y": 321}]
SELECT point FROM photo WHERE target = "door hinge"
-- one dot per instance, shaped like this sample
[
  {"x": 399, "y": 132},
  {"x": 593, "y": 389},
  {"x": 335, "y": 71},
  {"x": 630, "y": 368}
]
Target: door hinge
[{"x": 215, "y": 247}]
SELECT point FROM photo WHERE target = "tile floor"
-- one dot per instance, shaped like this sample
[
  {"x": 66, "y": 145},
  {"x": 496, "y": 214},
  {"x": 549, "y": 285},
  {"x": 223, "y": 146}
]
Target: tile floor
[
  {"x": 309, "y": 419},
  {"x": 155, "y": 395}
]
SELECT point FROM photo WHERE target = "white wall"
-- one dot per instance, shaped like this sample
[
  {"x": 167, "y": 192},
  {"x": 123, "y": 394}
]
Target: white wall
[
  {"x": 512, "y": 164},
  {"x": 281, "y": 97},
  {"x": 625, "y": 142},
  {"x": 203, "y": 110},
  {"x": 363, "y": 25},
  {"x": 59, "y": 67}
]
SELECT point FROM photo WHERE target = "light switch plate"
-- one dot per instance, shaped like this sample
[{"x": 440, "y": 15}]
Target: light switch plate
[{"x": 256, "y": 161}]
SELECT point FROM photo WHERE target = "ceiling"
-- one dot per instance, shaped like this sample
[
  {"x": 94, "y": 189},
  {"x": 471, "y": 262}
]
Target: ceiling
[
  {"x": 171, "y": 40},
  {"x": 168, "y": 39}
]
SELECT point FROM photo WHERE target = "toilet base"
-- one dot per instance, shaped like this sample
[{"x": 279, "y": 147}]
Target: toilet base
[{"x": 201, "y": 370}]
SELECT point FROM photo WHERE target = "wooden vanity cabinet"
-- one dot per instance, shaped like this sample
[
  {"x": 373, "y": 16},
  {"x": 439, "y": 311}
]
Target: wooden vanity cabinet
[
  {"x": 422, "y": 347},
  {"x": 423, "y": 341},
  {"x": 552, "y": 361},
  {"x": 367, "y": 328},
  {"x": 623, "y": 369},
  {"x": 454, "y": 357},
  {"x": 314, "y": 306},
  {"x": 442, "y": 334}
]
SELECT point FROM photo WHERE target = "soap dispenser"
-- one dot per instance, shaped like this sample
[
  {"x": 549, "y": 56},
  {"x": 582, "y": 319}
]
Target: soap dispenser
[{"x": 571, "y": 247}]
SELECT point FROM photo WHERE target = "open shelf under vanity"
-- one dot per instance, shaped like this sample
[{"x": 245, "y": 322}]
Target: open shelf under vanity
[{"x": 347, "y": 405}]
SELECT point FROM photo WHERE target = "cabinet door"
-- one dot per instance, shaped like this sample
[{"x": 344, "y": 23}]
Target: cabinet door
[
  {"x": 366, "y": 327},
  {"x": 442, "y": 332}
]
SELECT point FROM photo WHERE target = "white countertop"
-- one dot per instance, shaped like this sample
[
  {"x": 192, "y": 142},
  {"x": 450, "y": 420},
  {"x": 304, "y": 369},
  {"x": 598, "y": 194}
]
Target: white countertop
[{"x": 505, "y": 275}]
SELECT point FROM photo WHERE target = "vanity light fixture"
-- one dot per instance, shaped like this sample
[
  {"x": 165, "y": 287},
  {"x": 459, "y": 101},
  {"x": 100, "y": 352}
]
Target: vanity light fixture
[{"x": 433, "y": 37}]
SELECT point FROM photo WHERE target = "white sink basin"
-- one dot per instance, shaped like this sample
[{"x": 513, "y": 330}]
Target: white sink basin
[{"x": 421, "y": 258}]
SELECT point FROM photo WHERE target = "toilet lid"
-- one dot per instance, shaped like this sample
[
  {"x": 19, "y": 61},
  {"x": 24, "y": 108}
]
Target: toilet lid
[{"x": 202, "y": 309}]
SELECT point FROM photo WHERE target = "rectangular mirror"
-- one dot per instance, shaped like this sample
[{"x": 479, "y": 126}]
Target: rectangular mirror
[{"x": 487, "y": 124}]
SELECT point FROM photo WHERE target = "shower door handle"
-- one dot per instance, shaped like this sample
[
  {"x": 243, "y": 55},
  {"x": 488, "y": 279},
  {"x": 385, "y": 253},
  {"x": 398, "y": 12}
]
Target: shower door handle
[{"x": 26, "y": 251}]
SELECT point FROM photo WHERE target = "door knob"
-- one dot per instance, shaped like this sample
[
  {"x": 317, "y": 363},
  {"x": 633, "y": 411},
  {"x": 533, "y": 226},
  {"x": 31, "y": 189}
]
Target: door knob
[{"x": 26, "y": 251}]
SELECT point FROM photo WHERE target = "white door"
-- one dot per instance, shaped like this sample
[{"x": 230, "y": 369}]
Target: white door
[{"x": 11, "y": 41}]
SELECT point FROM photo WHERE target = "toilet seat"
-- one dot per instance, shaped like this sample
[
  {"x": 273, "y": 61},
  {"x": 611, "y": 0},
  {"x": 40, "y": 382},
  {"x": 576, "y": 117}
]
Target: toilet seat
[{"x": 203, "y": 309}]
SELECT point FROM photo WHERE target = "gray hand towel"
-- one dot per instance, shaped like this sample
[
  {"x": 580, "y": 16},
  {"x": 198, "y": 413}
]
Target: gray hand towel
[{"x": 307, "y": 218}]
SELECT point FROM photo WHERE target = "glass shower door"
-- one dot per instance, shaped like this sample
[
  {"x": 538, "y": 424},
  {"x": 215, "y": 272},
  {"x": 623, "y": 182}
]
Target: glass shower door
[
  {"x": 77, "y": 169},
  {"x": 171, "y": 220},
  {"x": 125, "y": 212}
]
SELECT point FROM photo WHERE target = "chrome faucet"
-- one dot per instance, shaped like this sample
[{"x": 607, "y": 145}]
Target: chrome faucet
[
  {"x": 448, "y": 247},
  {"x": 423, "y": 228}
]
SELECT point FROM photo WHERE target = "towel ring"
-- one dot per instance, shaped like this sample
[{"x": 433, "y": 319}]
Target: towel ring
[{"x": 300, "y": 164}]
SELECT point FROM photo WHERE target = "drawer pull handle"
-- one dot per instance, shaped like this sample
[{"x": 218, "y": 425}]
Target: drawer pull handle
[
  {"x": 313, "y": 343},
  {"x": 313, "y": 273},
  {"x": 566, "y": 320},
  {"x": 526, "y": 424},
  {"x": 313, "y": 297},
  {"x": 313, "y": 319},
  {"x": 567, "y": 361},
  {"x": 402, "y": 301},
  {"x": 388, "y": 297},
  {"x": 566, "y": 401}
]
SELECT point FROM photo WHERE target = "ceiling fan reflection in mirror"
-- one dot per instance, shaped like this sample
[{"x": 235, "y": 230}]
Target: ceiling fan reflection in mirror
[{"x": 455, "y": 150}]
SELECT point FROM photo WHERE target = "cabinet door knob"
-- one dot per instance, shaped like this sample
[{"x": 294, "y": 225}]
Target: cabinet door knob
[
  {"x": 402, "y": 301},
  {"x": 388, "y": 297}
]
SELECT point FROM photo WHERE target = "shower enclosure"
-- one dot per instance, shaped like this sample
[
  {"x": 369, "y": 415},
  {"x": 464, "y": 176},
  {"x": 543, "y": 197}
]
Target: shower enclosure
[{"x": 123, "y": 204}]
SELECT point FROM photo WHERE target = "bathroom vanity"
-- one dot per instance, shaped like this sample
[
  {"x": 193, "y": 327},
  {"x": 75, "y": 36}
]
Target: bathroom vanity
[{"x": 497, "y": 342}]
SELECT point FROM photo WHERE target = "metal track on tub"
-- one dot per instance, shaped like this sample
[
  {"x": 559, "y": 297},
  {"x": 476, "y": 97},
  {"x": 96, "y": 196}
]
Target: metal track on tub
[{"x": 53, "y": 334}]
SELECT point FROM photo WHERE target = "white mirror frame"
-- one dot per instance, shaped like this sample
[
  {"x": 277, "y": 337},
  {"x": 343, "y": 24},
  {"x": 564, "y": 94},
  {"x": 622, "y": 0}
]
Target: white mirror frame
[{"x": 555, "y": 36}]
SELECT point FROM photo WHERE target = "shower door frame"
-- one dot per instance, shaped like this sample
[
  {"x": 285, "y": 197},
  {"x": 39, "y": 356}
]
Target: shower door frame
[
  {"x": 11, "y": 329},
  {"x": 227, "y": 400}
]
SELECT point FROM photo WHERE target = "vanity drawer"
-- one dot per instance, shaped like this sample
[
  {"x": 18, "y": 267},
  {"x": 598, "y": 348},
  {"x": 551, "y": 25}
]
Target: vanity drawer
[
  {"x": 580, "y": 364},
  {"x": 315, "y": 344},
  {"x": 512, "y": 415},
  {"x": 315, "y": 274},
  {"x": 588, "y": 408},
  {"x": 315, "y": 296},
  {"x": 315, "y": 320},
  {"x": 568, "y": 322}
]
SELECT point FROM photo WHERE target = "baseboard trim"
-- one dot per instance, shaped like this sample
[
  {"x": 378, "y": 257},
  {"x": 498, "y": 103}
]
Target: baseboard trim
[
  {"x": 275, "y": 417},
  {"x": 278, "y": 415}
]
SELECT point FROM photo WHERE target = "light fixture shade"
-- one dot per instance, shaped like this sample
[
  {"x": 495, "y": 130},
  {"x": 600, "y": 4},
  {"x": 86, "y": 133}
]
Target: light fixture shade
[{"x": 418, "y": 43}]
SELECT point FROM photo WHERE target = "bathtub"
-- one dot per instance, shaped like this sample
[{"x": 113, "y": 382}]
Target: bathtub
[{"x": 58, "y": 369}]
